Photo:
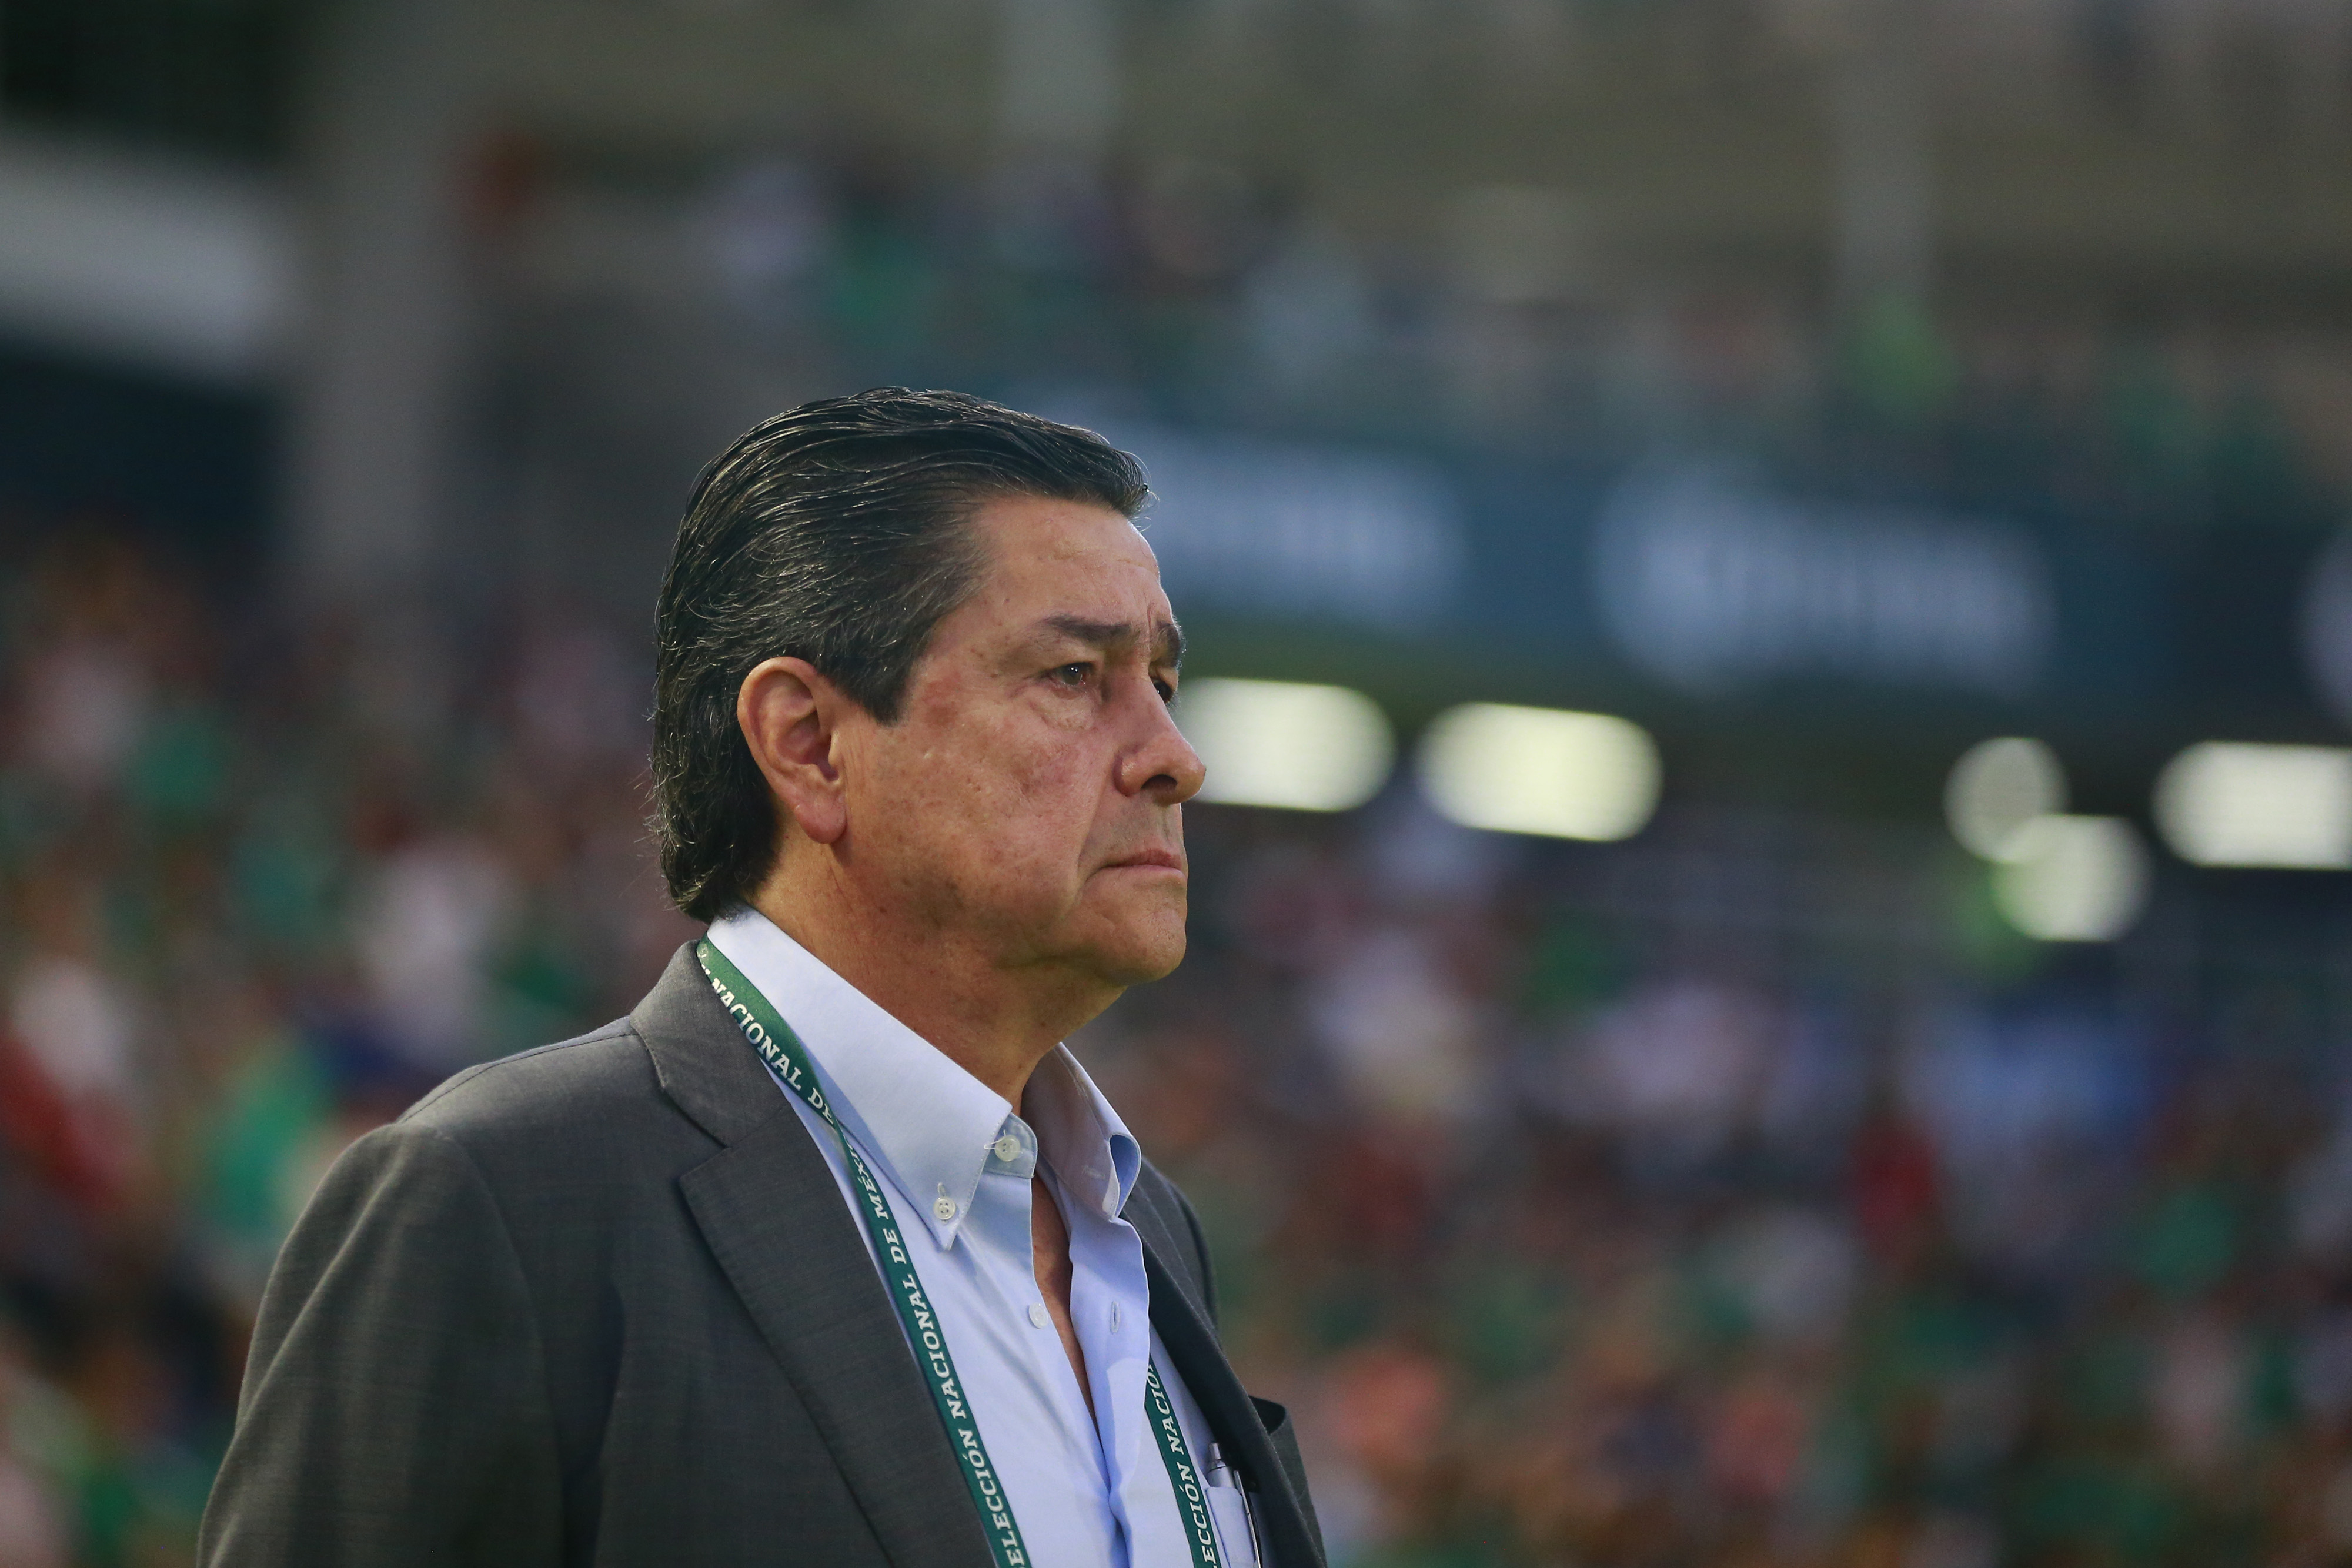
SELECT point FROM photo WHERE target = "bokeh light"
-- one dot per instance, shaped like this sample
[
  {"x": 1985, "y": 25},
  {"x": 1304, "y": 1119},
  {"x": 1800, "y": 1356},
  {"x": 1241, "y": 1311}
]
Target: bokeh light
[
  {"x": 1997, "y": 788},
  {"x": 1540, "y": 770},
  {"x": 1287, "y": 744},
  {"x": 2231, "y": 804},
  {"x": 2073, "y": 879}
]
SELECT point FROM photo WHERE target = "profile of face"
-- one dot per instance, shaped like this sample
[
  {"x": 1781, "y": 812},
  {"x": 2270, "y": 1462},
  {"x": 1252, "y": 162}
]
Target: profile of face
[{"x": 1027, "y": 802}]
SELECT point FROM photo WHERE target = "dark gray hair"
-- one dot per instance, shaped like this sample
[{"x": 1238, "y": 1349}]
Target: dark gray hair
[{"x": 837, "y": 532}]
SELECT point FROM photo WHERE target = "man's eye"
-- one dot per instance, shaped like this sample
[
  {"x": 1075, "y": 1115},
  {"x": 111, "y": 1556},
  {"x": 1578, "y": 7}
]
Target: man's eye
[
  {"x": 1166, "y": 689},
  {"x": 1077, "y": 674}
]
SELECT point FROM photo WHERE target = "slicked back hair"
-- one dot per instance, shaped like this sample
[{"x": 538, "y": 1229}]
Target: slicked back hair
[{"x": 838, "y": 532}]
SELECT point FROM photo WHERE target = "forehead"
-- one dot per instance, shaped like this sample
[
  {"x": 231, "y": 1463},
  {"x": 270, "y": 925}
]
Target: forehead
[{"x": 1047, "y": 558}]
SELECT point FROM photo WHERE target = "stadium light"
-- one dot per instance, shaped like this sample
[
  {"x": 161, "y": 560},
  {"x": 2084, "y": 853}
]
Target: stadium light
[
  {"x": 1540, "y": 770},
  {"x": 2073, "y": 879},
  {"x": 1284, "y": 744},
  {"x": 2228, "y": 804},
  {"x": 1997, "y": 788}
]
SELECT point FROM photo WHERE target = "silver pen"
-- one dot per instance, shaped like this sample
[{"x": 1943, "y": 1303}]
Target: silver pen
[{"x": 1220, "y": 1474}]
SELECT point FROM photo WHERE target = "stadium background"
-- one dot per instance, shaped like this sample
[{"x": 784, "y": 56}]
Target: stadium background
[{"x": 1826, "y": 386}]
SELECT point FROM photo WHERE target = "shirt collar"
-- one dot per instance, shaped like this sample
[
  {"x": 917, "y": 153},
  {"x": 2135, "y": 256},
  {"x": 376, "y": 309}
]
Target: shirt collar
[
  {"x": 1093, "y": 1155},
  {"x": 932, "y": 1126}
]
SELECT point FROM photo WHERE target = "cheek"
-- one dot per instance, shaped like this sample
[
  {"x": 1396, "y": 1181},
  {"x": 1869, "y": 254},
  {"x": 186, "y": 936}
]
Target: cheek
[
  {"x": 981, "y": 768},
  {"x": 1046, "y": 810},
  {"x": 1029, "y": 770},
  {"x": 994, "y": 807}
]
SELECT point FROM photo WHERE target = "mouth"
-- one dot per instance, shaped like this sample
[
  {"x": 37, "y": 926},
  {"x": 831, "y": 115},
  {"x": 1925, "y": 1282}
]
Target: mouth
[{"x": 1151, "y": 859}]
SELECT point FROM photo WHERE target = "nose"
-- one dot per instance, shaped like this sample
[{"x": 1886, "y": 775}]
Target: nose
[{"x": 1161, "y": 763}]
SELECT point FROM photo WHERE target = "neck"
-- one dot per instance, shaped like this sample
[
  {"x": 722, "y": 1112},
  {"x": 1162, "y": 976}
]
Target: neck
[{"x": 995, "y": 1021}]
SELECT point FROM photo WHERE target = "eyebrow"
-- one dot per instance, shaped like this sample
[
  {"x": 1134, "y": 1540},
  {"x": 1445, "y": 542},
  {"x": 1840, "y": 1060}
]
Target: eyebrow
[{"x": 1168, "y": 638}]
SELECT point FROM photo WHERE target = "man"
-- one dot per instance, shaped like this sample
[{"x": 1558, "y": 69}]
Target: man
[{"x": 829, "y": 1253}]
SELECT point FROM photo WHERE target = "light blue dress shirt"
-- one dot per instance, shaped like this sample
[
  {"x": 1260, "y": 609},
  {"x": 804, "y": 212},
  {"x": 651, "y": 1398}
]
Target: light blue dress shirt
[{"x": 1089, "y": 1490}]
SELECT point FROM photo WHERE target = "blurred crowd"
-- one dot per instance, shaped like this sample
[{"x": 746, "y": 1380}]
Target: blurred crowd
[
  {"x": 263, "y": 885},
  {"x": 1516, "y": 324},
  {"x": 1741, "y": 1194}
]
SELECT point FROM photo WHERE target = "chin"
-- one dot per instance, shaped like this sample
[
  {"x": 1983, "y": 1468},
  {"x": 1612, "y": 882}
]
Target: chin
[
  {"x": 1128, "y": 940},
  {"x": 1162, "y": 965},
  {"x": 1142, "y": 954}
]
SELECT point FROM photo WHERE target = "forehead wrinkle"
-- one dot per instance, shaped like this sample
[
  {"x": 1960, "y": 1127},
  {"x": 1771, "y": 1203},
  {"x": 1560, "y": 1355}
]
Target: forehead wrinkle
[
  {"x": 1094, "y": 634},
  {"x": 1118, "y": 636}
]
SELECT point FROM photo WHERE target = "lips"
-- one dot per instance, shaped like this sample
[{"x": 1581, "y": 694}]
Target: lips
[{"x": 1153, "y": 857}]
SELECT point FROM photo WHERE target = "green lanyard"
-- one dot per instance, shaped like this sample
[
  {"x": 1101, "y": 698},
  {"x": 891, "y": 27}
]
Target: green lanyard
[{"x": 787, "y": 1060}]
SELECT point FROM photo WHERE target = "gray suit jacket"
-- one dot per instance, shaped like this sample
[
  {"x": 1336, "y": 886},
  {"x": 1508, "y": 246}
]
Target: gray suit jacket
[{"x": 601, "y": 1303}]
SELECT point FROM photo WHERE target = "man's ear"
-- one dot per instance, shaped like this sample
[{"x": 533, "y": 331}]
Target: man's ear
[{"x": 789, "y": 714}]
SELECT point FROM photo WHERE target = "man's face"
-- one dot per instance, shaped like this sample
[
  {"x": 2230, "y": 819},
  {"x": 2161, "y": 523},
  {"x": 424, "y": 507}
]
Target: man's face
[{"x": 1029, "y": 799}]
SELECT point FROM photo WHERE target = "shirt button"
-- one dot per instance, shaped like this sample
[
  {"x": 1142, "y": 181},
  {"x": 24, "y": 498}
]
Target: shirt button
[
  {"x": 944, "y": 1207},
  {"x": 1008, "y": 1148},
  {"x": 1113, "y": 1314},
  {"x": 1037, "y": 1318}
]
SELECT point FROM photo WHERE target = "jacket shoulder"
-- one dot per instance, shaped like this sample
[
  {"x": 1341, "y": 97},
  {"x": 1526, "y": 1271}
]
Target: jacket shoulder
[{"x": 603, "y": 1078}]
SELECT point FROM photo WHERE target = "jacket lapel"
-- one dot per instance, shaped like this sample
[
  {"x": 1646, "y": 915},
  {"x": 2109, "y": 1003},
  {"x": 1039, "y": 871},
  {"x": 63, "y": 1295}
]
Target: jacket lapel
[
  {"x": 772, "y": 1216},
  {"x": 1191, "y": 1343}
]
